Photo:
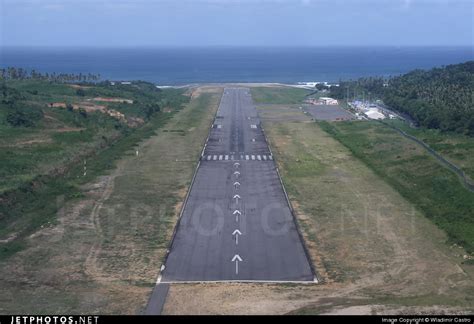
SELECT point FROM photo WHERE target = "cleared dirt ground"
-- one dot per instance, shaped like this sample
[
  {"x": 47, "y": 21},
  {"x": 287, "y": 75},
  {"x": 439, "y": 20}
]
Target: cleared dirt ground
[{"x": 374, "y": 251}]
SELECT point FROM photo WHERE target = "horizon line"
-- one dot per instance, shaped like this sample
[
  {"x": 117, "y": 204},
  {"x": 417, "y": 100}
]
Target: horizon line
[{"x": 235, "y": 46}]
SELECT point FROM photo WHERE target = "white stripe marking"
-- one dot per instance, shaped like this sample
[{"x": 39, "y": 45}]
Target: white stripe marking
[{"x": 241, "y": 281}]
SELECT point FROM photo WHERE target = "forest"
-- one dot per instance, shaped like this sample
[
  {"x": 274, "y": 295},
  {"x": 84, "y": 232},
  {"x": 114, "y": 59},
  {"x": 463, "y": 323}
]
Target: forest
[{"x": 440, "y": 98}]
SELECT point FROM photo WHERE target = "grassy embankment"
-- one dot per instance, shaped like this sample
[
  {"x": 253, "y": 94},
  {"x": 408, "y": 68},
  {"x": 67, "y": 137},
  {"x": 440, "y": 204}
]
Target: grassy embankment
[
  {"x": 455, "y": 147},
  {"x": 104, "y": 252},
  {"x": 45, "y": 160},
  {"x": 414, "y": 173}
]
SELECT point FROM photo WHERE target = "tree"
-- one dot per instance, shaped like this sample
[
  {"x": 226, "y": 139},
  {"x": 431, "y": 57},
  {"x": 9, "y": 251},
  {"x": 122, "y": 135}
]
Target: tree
[
  {"x": 24, "y": 117},
  {"x": 321, "y": 86}
]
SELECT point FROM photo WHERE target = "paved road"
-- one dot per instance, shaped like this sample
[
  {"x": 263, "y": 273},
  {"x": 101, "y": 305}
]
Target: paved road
[
  {"x": 236, "y": 224},
  {"x": 157, "y": 299}
]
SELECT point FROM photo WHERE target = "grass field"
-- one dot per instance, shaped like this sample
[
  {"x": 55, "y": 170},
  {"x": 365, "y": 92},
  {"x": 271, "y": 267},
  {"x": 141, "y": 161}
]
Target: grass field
[
  {"x": 103, "y": 253},
  {"x": 414, "y": 173},
  {"x": 283, "y": 95},
  {"x": 457, "y": 148}
]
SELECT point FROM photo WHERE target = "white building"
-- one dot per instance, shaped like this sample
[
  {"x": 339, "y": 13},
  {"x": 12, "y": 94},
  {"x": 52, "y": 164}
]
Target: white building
[
  {"x": 374, "y": 113},
  {"x": 328, "y": 101}
]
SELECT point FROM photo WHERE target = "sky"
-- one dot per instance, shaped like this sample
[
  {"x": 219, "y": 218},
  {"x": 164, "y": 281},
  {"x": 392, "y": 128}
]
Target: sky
[{"x": 131, "y": 23}]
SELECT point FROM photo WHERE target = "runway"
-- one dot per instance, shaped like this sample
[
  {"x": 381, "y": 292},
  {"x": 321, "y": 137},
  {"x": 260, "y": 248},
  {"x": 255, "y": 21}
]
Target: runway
[{"x": 236, "y": 224}]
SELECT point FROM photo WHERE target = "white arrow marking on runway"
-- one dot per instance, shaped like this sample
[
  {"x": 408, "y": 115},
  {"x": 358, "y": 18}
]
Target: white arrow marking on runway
[
  {"x": 237, "y": 213},
  {"x": 236, "y": 183},
  {"x": 237, "y": 173},
  {"x": 236, "y": 164},
  {"x": 237, "y": 197},
  {"x": 237, "y": 259},
  {"x": 236, "y": 233}
]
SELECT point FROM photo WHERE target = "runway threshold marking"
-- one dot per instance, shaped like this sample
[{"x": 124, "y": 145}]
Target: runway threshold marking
[{"x": 314, "y": 281}]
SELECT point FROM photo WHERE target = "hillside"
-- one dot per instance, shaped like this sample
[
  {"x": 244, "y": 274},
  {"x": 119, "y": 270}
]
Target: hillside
[{"x": 56, "y": 136}]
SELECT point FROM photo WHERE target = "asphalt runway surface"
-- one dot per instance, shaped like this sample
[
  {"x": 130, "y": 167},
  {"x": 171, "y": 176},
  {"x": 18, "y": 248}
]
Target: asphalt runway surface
[
  {"x": 236, "y": 224},
  {"x": 329, "y": 112}
]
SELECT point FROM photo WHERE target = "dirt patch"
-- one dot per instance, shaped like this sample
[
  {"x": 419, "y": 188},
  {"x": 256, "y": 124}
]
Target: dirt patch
[
  {"x": 77, "y": 86},
  {"x": 198, "y": 91},
  {"x": 91, "y": 107},
  {"x": 226, "y": 299},
  {"x": 119, "y": 100},
  {"x": 66, "y": 129},
  {"x": 9, "y": 238},
  {"x": 87, "y": 106},
  {"x": 29, "y": 142}
]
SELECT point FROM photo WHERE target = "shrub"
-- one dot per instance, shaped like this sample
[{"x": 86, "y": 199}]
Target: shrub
[{"x": 24, "y": 117}]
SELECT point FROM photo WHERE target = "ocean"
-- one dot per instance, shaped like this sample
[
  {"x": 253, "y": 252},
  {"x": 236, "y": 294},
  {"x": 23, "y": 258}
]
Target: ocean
[{"x": 178, "y": 66}]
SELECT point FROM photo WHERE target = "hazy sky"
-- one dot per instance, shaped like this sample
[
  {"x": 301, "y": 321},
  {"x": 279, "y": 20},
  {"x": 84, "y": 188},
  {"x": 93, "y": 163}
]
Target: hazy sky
[{"x": 236, "y": 22}]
